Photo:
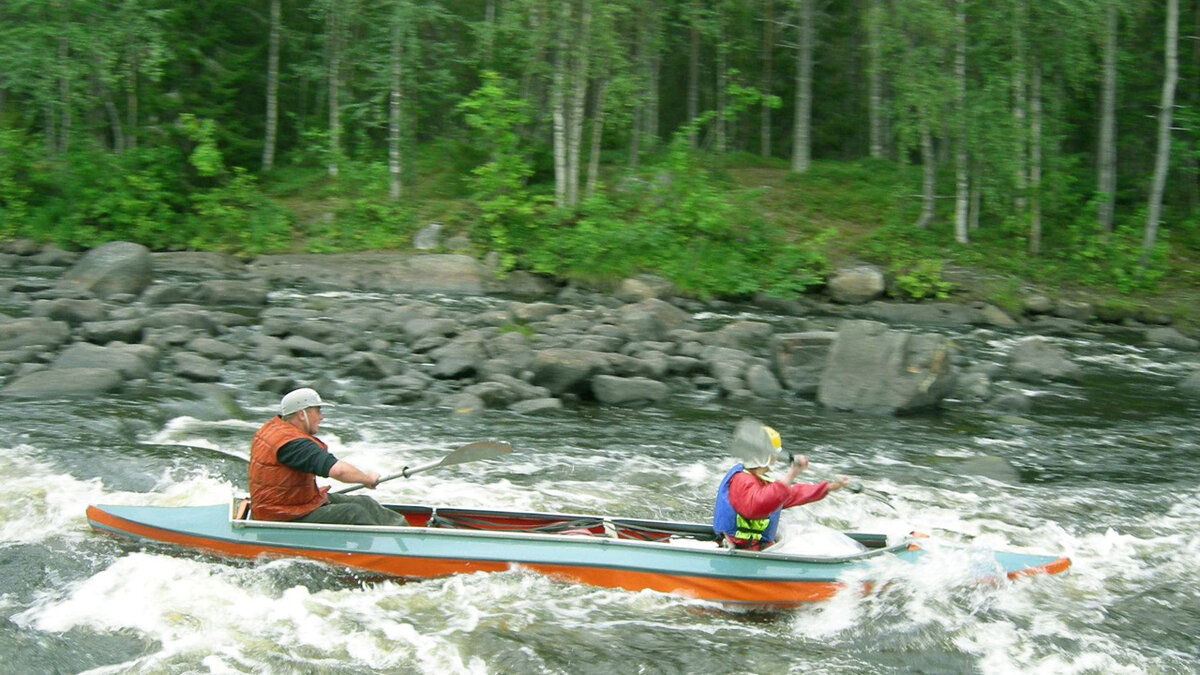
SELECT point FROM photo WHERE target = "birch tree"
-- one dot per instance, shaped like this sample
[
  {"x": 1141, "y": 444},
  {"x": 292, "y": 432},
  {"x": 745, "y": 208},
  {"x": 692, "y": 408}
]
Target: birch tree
[
  {"x": 1106, "y": 147},
  {"x": 962, "y": 192},
  {"x": 273, "y": 29},
  {"x": 768, "y": 75},
  {"x": 802, "y": 126},
  {"x": 875, "y": 15},
  {"x": 1162, "y": 159}
]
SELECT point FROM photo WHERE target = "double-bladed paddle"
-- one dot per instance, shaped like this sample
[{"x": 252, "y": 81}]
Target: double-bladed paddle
[{"x": 471, "y": 452}]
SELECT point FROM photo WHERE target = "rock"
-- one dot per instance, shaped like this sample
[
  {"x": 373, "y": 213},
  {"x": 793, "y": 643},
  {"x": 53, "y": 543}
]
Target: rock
[
  {"x": 1170, "y": 337},
  {"x": 103, "y": 332},
  {"x": 650, "y": 319},
  {"x": 115, "y": 267},
  {"x": 1037, "y": 304},
  {"x": 1013, "y": 402},
  {"x": 196, "y": 368},
  {"x": 30, "y": 332},
  {"x": 55, "y": 382},
  {"x": 745, "y": 335},
  {"x": 762, "y": 383},
  {"x": 643, "y": 287},
  {"x": 231, "y": 292},
  {"x": 799, "y": 359},
  {"x": 74, "y": 312},
  {"x": 615, "y": 390},
  {"x": 214, "y": 349},
  {"x": 872, "y": 369},
  {"x": 856, "y": 285},
  {"x": 536, "y": 405},
  {"x": 1070, "y": 309},
  {"x": 1036, "y": 360},
  {"x": 934, "y": 313},
  {"x": 428, "y": 238},
  {"x": 463, "y": 403},
  {"x": 567, "y": 370},
  {"x": 125, "y": 360},
  {"x": 1190, "y": 385}
]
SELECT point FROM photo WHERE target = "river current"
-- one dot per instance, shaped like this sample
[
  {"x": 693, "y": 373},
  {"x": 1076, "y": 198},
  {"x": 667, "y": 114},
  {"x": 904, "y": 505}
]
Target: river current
[{"x": 1104, "y": 471}]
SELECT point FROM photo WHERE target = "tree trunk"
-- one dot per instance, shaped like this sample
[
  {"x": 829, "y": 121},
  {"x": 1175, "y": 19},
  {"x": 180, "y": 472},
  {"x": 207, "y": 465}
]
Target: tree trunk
[
  {"x": 693, "y": 92},
  {"x": 1035, "y": 157},
  {"x": 1020, "y": 155},
  {"x": 1106, "y": 184},
  {"x": 489, "y": 33},
  {"x": 802, "y": 142},
  {"x": 575, "y": 118},
  {"x": 131, "y": 100},
  {"x": 1162, "y": 161},
  {"x": 395, "y": 108},
  {"x": 593, "y": 179},
  {"x": 558, "y": 111},
  {"x": 768, "y": 66},
  {"x": 268, "y": 156},
  {"x": 962, "y": 193},
  {"x": 335, "y": 56},
  {"x": 929, "y": 181},
  {"x": 114, "y": 120},
  {"x": 64, "y": 94},
  {"x": 875, "y": 74},
  {"x": 722, "y": 85},
  {"x": 976, "y": 201}
]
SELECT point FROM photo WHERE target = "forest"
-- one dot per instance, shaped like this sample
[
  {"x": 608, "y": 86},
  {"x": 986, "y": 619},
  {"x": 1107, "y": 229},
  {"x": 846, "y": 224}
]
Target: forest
[{"x": 733, "y": 146}]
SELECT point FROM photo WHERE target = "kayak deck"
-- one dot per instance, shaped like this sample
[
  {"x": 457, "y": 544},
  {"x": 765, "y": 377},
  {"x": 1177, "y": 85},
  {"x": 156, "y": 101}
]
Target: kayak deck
[{"x": 634, "y": 554}]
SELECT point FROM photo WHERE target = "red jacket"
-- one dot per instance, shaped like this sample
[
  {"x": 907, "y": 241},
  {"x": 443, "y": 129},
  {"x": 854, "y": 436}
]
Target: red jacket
[
  {"x": 277, "y": 491},
  {"x": 754, "y": 498}
]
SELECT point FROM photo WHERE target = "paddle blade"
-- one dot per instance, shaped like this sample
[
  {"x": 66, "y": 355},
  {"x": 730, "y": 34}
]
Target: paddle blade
[{"x": 473, "y": 452}]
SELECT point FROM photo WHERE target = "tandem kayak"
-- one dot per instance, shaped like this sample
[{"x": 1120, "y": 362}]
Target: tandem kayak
[{"x": 669, "y": 557}]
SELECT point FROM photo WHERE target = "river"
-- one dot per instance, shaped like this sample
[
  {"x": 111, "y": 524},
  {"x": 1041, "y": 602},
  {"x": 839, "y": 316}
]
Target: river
[{"x": 1104, "y": 471}]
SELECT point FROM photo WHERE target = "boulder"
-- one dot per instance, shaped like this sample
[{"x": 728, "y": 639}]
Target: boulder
[
  {"x": 872, "y": 369},
  {"x": 564, "y": 370},
  {"x": 615, "y": 390},
  {"x": 799, "y": 359},
  {"x": 856, "y": 285},
  {"x": 127, "y": 359},
  {"x": 1036, "y": 360},
  {"x": 1170, "y": 337},
  {"x": 112, "y": 268},
  {"x": 57, "y": 382}
]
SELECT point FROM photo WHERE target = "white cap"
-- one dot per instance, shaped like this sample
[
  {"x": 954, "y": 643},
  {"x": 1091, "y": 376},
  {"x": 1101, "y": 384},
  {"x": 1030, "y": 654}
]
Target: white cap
[
  {"x": 753, "y": 443},
  {"x": 300, "y": 399}
]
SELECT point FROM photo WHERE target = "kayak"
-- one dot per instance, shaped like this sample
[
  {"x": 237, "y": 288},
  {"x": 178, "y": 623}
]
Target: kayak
[{"x": 670, "y": 557}]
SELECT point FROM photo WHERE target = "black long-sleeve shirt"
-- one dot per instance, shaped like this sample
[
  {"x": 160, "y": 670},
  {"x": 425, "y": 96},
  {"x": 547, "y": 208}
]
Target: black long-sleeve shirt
[{"x": 304, "y": 455}]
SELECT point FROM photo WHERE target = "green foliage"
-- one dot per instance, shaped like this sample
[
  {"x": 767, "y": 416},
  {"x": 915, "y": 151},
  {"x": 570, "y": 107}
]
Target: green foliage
[
  {"x": 923, "y": 279},
  {"x": 236, "y": 217},
  {"x": 1116, "y": 261},
  {"x": 15, "y": 192},
  {"x": 496, "y": 114}
]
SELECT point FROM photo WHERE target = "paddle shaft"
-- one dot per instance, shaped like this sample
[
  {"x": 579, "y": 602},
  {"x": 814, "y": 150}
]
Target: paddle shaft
[
  {"x": 404, "y": 473},
  {"x": 470, "y": 452}
]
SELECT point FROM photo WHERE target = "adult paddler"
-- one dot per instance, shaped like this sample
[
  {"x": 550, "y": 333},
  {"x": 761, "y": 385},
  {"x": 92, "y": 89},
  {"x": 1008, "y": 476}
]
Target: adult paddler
[
  {"x": 749, "y": 501},
  {"x": 286, "y": 456}
]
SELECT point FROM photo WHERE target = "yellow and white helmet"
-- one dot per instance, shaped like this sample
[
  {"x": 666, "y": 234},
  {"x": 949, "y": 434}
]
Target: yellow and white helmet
[{"x": 754, "y": 443}]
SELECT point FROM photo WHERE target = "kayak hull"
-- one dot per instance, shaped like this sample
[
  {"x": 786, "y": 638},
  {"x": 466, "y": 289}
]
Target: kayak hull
[{"x": 676, "y": 558}]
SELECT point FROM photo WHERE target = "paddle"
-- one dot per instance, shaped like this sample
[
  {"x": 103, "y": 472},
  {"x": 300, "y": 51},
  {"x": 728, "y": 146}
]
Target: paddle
[
  {"x": 471, "y": 452},
  {"x": 855, "y": 487}
]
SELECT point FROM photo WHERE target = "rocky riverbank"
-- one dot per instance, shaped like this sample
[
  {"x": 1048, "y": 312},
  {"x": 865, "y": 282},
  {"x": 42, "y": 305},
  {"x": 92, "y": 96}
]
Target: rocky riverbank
[{"x": 118, "y": 316}]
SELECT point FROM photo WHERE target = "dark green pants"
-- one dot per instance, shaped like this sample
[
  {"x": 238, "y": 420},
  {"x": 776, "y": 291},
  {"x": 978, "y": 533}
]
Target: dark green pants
[{"x": 353, "y": 510}]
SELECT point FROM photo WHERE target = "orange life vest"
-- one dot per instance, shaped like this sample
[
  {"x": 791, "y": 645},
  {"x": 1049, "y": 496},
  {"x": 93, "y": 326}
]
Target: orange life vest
[{"x": 277, "y": 491}]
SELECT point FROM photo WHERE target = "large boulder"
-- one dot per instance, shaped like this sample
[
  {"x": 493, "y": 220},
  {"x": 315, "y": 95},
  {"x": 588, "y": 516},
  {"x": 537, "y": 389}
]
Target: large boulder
[
  {"x": 872, "y": 369},
  {"x": 115, "y": 267},
  {"x": 856, "y": 285},
  {"x": 615, "y": 390},
  {"x": 58, "y": 382},
  {"x": 563, "y": 370},
  {"x": 1036, "y": 360},
  {"x": 799, "y": 359},
  {"x": 32, "y": 332}
]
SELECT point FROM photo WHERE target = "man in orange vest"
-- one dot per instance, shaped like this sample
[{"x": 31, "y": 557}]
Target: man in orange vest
[{"x": 286, "y": 457}]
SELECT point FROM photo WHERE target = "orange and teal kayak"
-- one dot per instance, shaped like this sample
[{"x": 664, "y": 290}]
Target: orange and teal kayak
[{"x": 624, "y": 553}]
